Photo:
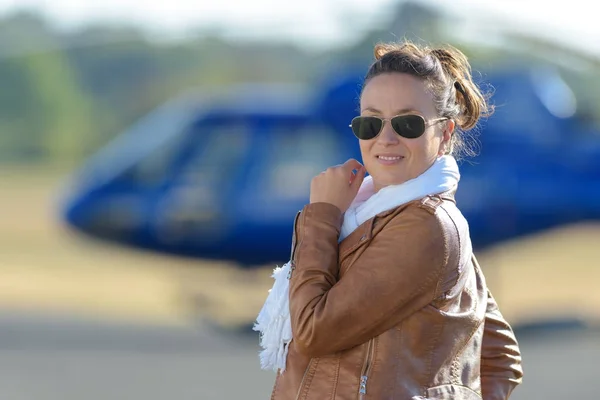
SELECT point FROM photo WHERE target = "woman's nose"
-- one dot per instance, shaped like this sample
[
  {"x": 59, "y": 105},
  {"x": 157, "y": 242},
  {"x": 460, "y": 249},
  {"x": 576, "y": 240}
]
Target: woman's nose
[{"x": 388, "y": 136}]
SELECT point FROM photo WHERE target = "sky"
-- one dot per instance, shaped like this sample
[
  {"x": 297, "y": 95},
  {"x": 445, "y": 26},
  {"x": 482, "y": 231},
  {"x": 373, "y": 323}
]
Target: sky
[{"x": 319, "y": 23}]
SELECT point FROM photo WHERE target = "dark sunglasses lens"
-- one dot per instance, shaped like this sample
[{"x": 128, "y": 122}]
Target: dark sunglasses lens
[
  {"x": 409, "y": 126},
  {"x": 366, "y": 128}
]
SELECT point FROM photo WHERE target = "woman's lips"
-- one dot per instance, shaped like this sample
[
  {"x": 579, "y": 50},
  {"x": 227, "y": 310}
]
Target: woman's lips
[{"x": 389, "y": 159}]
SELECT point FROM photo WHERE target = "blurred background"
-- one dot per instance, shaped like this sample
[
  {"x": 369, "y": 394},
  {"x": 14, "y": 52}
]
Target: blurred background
[{"x": 152, "y": 158}]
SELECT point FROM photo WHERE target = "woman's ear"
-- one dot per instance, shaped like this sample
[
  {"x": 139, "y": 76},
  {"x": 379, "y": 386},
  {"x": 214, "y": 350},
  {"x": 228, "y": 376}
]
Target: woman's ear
[{"x": 448, "y": 131}]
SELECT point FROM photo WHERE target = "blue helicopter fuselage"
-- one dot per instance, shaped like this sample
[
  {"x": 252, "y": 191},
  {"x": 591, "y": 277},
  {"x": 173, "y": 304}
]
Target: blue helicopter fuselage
[{"x": 223, "y": 178}]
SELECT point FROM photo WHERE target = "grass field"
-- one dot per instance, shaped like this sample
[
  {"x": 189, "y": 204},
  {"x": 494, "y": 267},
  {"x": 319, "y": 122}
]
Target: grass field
[{"x": 46, "y": 268}]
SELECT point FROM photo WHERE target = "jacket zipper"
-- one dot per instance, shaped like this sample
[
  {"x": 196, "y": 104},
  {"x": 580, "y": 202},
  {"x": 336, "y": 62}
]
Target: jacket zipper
[
  {"x": 364, "y": 376},
  {"x": 293, "y": 250},
  {"x": 303, "y": 378}
]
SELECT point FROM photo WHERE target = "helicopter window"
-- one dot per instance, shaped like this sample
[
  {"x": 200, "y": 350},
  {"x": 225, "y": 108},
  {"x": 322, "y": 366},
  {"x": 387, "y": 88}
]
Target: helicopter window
[
  {"x": 212, "y": 158},
  {"x": 153, "y": 169},
  {"x": 216, "y": 155},
  {"x": 294, "y": 159},
  {"x": 143, "y": 153}
]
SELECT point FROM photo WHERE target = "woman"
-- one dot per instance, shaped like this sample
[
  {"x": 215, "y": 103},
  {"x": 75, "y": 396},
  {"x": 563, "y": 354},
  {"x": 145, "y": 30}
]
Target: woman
[{"x": 386, "y": 300}]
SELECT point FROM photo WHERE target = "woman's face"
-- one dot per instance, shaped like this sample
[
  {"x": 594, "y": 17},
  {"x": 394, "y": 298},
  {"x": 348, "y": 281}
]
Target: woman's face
[{"x": 390, "y": 158}]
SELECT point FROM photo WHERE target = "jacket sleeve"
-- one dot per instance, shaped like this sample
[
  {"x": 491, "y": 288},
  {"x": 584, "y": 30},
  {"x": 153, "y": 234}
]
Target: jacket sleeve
[
  {"x": 397, "y": 274},
  {"x": 501, "y": 369}
]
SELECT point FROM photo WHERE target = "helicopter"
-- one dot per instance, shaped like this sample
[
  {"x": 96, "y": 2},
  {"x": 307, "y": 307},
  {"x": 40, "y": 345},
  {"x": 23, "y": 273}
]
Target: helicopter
[{"x": 222, "y": 177}]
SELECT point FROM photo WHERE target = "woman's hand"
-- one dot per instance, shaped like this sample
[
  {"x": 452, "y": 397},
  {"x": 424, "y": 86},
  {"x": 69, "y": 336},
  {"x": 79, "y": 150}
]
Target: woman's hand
[{"x": 338, "y": 185}]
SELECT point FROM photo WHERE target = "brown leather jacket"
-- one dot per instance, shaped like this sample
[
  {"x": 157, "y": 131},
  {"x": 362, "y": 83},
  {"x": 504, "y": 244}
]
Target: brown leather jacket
[{"x": 398, "y": 310}]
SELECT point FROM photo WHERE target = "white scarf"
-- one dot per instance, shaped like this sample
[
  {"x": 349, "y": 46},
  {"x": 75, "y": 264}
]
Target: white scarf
[{"x": 273, "y": 321}]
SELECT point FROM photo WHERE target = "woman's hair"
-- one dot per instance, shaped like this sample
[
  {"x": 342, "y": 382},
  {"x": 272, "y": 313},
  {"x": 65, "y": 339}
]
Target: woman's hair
[{"x": 448, "y": 76}]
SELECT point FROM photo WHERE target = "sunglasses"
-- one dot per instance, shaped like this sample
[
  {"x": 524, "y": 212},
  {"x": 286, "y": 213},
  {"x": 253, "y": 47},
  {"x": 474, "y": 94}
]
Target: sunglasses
[{"x": 408, "y": 126}]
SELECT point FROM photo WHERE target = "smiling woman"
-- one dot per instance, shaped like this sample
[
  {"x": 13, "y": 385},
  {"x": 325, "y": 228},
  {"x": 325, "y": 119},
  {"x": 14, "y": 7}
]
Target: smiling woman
[
  {"x": 425, "y": 97},
  {"x": 382, "y": 297}
]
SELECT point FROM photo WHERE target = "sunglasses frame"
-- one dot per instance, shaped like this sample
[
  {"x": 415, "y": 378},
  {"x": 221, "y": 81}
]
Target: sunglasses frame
[{"x": 426, "y": 123}]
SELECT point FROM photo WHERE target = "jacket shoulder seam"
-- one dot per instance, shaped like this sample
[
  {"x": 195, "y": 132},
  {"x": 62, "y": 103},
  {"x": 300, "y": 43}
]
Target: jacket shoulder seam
[{"x": 448, "y": 237}]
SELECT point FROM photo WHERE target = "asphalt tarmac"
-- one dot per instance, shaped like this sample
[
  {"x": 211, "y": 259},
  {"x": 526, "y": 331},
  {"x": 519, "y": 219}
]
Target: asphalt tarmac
[{"x": 54, "y": 358}]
